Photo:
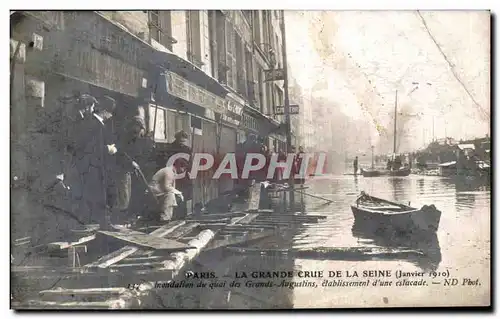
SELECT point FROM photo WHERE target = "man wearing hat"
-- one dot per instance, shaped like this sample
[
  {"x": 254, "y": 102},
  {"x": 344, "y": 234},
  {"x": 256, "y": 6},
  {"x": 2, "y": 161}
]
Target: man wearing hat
[
  {"x": 88, "y": 130},
  {"x": 130, "y": 149}
]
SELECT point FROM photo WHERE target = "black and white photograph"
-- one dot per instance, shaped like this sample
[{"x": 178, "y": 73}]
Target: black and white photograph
[{"x": 250, "y": 159}]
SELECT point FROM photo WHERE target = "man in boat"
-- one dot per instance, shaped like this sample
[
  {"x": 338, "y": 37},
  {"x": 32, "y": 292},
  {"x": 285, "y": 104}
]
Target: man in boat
[
  {"x": 389, "y": 164},
  {"x": 397, "y": 163},
  {"x": 355, "y": 166}
]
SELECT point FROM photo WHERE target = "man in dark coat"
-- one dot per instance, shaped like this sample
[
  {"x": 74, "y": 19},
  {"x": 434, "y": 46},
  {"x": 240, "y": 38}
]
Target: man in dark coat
[
  {"x": 298, "y": 160},
  {"x": 133, "y": 151},
  {"x": 87, "y": 135},
  {"x": 355, "y": 166}
]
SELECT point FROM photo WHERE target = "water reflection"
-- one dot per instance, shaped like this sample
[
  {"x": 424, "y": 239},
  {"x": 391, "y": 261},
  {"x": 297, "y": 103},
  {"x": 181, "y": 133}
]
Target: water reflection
[
  {"x": 400, "y": 187},
  {"x": 467, "y": 189},
  {"x": 421, "y": 186},
  {"x": 427, "y": 252},
  {"x": 356, "y": 183}
]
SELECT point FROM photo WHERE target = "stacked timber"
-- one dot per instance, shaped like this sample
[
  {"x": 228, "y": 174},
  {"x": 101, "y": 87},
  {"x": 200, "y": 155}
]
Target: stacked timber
[{"x": 125, "y": 276}]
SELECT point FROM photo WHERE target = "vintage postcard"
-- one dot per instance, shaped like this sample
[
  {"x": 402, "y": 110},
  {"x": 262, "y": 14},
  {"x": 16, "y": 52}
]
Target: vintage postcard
[{"x": 250, "y": 159}]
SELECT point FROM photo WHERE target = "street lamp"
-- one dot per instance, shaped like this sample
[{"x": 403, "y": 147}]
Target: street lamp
[{"x": 373, "y": 165}]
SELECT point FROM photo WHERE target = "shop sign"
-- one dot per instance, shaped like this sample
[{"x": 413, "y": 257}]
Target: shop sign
[
  {"x": 234, "y": 112},
  {"x": 183, "y": 89}
]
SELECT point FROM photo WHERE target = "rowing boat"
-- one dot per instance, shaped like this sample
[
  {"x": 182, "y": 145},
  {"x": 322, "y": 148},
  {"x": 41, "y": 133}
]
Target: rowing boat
[{"x": 380, "y": 214}]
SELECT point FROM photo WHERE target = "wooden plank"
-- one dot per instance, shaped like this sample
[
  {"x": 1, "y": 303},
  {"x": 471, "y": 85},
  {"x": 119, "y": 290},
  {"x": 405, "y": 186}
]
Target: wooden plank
[
  {"x": 108, "y": 304},
  {"x": 145, "y": 258},
  {"x": 250, "y": 227},
  {"x": 65, "y": 245},
  {"x": 113, "y": 257},
  {"x": 183, "y": 230},
  {"x": 210, "y": 221},
  {"x": 142, "y": 265},
  {"x": 86, "y": 292},
  {"x": 254, "y": 200},
  {"x": 168, "y": 228},
  {"x": 147, "y": 240},
  {"x": 217, "y": 216},
  {"x": 245, "y": 219},
  {"x": 180, "y": 259},
  {"x": 330, "y": 253},
  {"x": 87, "y": 228},
  {"x": 233, "y": 232},
  {"x": 126, "y": 251}
]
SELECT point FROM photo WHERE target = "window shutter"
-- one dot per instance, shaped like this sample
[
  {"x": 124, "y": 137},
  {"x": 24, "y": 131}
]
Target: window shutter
[
  {"x": 212, "y": 32},
  {"x": 166, "y": 26}
]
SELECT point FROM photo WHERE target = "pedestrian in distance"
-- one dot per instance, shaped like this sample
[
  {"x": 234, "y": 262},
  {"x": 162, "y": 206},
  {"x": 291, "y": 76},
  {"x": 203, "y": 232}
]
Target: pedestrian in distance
[{"x": 355, "y": 166}]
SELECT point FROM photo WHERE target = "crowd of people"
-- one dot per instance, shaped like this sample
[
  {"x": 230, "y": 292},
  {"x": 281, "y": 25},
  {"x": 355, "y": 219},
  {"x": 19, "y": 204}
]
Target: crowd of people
[{"x": 105, "y": 164}]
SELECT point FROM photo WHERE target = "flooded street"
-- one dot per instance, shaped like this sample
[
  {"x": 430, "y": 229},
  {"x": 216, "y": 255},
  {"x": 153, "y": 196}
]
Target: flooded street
[{"x": 462, "y": 244}]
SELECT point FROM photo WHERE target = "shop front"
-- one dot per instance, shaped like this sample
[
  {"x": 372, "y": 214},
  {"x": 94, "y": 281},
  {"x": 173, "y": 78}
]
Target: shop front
[
  {"x": 230, "y": 122},
  {"x": 180, "y": 104}
]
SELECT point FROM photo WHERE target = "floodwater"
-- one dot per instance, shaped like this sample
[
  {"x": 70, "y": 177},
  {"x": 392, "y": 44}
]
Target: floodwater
[
  {"x": 461, "y": 245},
  {"x": 460, "y": 249}
]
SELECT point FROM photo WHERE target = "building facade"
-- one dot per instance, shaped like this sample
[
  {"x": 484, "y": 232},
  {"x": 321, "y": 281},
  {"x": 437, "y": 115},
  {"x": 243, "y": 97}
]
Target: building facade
[{"x": 199, "y": 71}]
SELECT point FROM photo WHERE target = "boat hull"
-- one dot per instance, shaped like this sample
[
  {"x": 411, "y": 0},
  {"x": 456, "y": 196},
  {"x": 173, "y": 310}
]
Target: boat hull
[{"x": 408, "y": 220}]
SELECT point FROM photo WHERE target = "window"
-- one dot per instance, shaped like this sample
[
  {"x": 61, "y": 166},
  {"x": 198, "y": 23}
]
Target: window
[
  {"x": 160, "y": 28},
  {"x": 278, "y": 51},
  {"x": 262, "y": 92},
  {"x": 257, "y": 82},
  {"x": 212, "y": 33},
  {"x": 269, "y": 90},
  {"x": 241, "y": 69},
  {"x": 265, "y": 26},
  {"x": 256, "y": 27},
  {"x": 194, "y": 37},
  {"x": 248, "y": 15},
  {"x": 279, "y": 96},
  {"x": 250, "y": 78},
  {"x": 220, "y": 30},
  {"x": 232, "y": 77}
]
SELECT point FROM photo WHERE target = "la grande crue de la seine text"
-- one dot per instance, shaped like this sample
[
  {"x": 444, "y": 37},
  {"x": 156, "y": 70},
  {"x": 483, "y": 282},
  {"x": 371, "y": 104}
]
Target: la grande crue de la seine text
[{"x": 317, "y": 274}]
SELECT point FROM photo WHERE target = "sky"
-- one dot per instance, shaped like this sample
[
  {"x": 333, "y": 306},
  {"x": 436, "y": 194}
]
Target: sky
[{"x": 358, "y": 59}]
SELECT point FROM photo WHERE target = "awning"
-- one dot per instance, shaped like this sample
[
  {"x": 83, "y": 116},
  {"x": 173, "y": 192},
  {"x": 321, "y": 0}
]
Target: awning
[{"x": 187, "y": 70}]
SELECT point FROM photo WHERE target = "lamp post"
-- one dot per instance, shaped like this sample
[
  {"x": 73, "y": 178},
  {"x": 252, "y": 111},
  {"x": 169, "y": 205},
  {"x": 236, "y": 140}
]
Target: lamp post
[
  {"x": 287, "y": 103},
  {"x": 373, "y": 164}
]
